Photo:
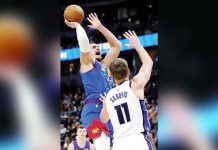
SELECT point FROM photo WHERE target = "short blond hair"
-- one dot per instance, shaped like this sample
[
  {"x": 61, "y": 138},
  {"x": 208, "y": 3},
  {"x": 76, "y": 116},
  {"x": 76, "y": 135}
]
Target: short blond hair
[{"x": 119, "y": 68}]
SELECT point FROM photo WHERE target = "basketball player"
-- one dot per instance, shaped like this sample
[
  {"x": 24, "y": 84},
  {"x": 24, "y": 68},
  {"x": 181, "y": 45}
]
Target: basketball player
[
  {"x": 96, "y": 80},
  {"x": 124, "y": 104},
  {"x": 81, "y": 142}
]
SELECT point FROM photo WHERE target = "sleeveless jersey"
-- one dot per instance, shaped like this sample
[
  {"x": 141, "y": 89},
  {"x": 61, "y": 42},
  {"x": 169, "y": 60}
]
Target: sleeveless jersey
[
  {"x": 97, "y": 81},
  {"x": 125, "y": 111},
  {"x": 76, "y": 146}
]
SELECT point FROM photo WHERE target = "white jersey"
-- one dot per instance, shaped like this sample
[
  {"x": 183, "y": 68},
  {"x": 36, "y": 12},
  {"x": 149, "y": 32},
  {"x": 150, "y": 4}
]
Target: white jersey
[{"x": 124, "y": 110}]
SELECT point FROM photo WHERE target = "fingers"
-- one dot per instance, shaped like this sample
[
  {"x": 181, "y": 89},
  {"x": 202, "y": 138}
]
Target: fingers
[
  {"x": 92, "y": 17},
  {"x": 71, "y": 24},
  {"x": 89, "y": 19},
  {"x": 95, "y": 15},
  {"x": 67, "y": 22},
  {"x": 102, "y": 97},
  {"x": 129, "y": 34},
  {"x": 126, "y": 36},
  {"x": 134, "y": 33}
]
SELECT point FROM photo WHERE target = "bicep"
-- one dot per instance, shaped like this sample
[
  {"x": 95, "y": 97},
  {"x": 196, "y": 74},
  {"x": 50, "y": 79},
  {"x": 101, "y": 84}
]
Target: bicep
[{"x": 112, "y": 54}]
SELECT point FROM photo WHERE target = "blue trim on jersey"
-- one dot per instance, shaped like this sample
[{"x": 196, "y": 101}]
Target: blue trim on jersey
[
  {"x": 146, "y": 123},
  {"x": 148, "y": 142}
]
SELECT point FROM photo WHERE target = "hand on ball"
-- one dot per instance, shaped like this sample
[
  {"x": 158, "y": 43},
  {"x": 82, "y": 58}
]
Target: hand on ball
[
  {"x": 71, "y": 24},
  {"x": 95, "y": 22}
]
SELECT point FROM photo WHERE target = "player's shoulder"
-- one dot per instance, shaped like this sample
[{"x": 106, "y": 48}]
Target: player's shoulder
[
  {"x": 111, "y": 91},
  {"x": 71, "y": 146}
]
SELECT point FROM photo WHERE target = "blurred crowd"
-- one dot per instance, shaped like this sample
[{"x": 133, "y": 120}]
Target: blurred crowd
[{"x": 72, "y": 102}]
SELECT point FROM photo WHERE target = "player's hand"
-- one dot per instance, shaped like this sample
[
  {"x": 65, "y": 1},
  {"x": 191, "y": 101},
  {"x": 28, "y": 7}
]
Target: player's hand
[
  {"x": 103, "y": 99},
  {"x": 133, "y": 39},
  {"x": 95, "y": 22},
  {"x": 71, "y": 24}
]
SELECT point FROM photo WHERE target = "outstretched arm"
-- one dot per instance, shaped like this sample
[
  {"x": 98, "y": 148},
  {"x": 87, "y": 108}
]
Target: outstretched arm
[
  {"x": 85, "y": 56},
  {"x": 114, "y": 43},
  {"x": 144, "y": 73}
]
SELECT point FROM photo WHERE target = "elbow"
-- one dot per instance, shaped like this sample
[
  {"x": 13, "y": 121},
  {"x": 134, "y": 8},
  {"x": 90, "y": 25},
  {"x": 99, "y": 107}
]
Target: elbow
[
  {"x": 151, "y": 62},
  {"x": 118, "y": 45},
  {"x": 148, "y": 62}
]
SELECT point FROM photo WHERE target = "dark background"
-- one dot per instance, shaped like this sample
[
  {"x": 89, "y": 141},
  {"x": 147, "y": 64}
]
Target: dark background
[{"x": 42, "y": 16}]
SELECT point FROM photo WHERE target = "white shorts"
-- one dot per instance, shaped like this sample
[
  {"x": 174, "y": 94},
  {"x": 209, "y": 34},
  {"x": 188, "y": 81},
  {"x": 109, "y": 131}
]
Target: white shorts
[{"x": 131, "y": 142}]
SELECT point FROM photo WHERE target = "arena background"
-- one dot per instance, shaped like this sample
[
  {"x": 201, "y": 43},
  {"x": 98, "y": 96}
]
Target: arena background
[{"x": 118, "y": 16}]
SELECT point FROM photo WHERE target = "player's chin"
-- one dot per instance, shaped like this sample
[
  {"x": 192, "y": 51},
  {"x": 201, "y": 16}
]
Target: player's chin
[{"x": 98, "y": 57}]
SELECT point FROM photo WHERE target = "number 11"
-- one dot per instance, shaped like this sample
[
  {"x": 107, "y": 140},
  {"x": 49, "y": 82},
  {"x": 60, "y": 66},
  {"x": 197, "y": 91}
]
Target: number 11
[{"x": 120, "y": 114}]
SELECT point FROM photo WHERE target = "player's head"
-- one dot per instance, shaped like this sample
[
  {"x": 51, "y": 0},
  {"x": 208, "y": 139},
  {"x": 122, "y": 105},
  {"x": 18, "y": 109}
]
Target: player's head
[
  {"x": 119, "y": 69},
  {"x": 95, "y": 51},
  {"x": 81, "y": 132}
]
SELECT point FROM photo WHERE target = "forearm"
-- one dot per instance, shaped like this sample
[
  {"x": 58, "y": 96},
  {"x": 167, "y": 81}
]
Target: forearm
[
  {"x": 104, "y": 116},
  {"x": 144, "y": 56},
  {"x": 112, "y": 40},
  {"x": 82, "y": 39},
  {"x": 85, "y": 56}
]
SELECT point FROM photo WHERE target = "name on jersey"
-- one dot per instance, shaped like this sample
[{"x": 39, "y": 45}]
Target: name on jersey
[{"x": 118, "y": 96}]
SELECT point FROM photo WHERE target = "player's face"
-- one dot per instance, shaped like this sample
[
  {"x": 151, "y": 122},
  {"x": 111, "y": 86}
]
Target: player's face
[
  {"x": 81, "y": 133},
  {"x": 95, "y": 51}
]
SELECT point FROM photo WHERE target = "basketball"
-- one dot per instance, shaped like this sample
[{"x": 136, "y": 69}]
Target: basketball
[
  {"x": 74, "y": 13},
  {"x": 15, "y": 40}
]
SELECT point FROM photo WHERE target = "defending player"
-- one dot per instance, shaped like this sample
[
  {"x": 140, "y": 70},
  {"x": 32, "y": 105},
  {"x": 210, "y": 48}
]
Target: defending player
[
  {"x": 81, "y": 142},
  {"x": 96, "y": 79},
  {"x": 124, "y": 105}
]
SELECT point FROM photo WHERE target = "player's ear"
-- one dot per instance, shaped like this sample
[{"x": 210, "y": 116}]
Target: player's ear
[{"x": 128, "y": 72}]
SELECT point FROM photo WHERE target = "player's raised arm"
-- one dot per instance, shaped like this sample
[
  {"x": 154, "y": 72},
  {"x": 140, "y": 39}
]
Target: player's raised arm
[
  {"x": 145, "y": 71},
  {"x": 85, "y": 56},
  {"x": 115, "y": 44}
]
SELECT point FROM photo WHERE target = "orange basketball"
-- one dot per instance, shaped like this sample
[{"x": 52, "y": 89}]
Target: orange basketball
[
  {"x": 15, "y": 40},
  {"x": 74, "y": 13}
]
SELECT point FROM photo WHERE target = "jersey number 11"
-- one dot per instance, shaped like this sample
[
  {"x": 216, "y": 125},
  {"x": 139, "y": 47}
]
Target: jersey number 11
[{"x": 120, "y": 115}]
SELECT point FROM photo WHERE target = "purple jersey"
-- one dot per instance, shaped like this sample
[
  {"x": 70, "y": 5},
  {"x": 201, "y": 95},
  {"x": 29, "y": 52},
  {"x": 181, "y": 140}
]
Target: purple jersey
[{"x": 76, "y": 146}]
